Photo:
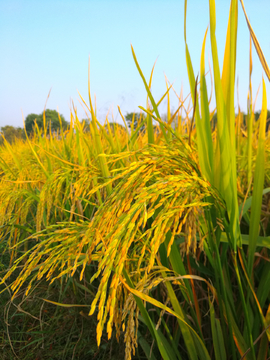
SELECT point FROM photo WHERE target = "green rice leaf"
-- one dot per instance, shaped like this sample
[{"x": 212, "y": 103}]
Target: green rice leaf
[
  {"x": 256, "y": 44},
  {"x": 149, "y": 93},
  {"x": 258, "y": 185},
  {"x": 218, "y": 341}
]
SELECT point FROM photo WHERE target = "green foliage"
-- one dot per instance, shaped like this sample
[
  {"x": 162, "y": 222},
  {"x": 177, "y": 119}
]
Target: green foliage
[
  {"x": 134, "y": 120},
  {"x": 150, "y": 225},
  {"x": 10, "y": 133},
  {"x": 257, "y": 116},
  {"x": 32, "y": 328},
  {"x": 245, "y": 117},
  {"x": 30, "y": 122},
  {"x": 52, "y": 120},
  {"x": 114, "y": 127}
]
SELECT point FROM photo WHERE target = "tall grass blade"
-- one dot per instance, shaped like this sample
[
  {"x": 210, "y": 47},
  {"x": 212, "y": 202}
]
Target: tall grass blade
[
  {"x": 150, "y": 129},
  {"x": 258, "y": 185},
  {"x": 218, "y": 341},
  {"x": 155, "y": 108},
  {"x": 256, "y": 44},
  {"x": 35, "y": 154},
  {"x": 250, "y": 117},
  {"x": 157, "y": 303},
  {"x": 226, "y": 176},
  {"x": 145, "y": 315},
  {"x": 203, "y": 146},
  {"x": 204, "y": 131},
  {"x": 99, "y": 147}
]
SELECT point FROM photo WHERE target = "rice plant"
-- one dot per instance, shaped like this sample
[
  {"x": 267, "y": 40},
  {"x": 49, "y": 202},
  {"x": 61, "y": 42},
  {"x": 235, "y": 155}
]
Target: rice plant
[{"x": 171, "y": 224}]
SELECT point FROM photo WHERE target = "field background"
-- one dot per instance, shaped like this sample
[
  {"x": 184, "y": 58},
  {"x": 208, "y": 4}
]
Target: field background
[{"x": 148, "y": 239}]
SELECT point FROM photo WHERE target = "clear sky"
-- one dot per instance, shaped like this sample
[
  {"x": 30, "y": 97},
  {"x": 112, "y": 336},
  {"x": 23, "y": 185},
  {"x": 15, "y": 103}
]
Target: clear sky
[{"x": 46, "y": 44}]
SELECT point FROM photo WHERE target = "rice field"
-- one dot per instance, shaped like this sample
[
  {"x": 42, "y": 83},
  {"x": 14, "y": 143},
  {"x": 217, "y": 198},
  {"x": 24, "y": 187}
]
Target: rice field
[{"x": 149, "y": 241}]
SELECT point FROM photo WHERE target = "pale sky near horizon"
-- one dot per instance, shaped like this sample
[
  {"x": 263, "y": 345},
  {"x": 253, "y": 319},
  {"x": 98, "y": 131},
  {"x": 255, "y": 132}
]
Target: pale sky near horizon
[{"x": 46, "y": 44}]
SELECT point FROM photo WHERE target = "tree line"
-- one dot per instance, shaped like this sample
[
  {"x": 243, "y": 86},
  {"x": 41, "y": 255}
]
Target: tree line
[
  {"x": 133, "y": 120},
  {"x": 52, "y": 120}
]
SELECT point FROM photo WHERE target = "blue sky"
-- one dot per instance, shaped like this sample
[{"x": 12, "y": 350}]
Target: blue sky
[{"x": 46, "y": 44}]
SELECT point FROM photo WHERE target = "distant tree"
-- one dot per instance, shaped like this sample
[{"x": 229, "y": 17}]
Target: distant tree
[
  {"x": 10, "y": 133},
  {"x": 114, "y": 126},
  {"x": 30, "y": 122},
  {"x": 157, "y": 129},
  {"x": 174, "y": 122},
  {"x": 86, "y": 123},
  {"x": 52, "y": 120},
  {"x": 138, "y": 119},
  {"x": 257, "y": 115}
]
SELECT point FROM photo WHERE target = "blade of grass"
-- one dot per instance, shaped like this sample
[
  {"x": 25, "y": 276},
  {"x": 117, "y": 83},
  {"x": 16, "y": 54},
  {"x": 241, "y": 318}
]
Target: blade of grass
[
  {"x": 149, "y": 93},
  {"x": 157, "y": 303},
  {"x": 261, "y": 241},
  {"x": 258, "y": 185},
  {"x": 256, "y": 44},
  {"x": 202, "y": 144},
  {"x": 34, "y": 152},
  {"x": 228, "y": 180},
  {"x": 99, "y": 147},
  {"x": 250, "y": 117},
  {"x": 155, "y": 334},
  {"x": 150, "y": 129},
  {"x": 218, "y": 341},
  {"x": 204, "y": 132}
]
